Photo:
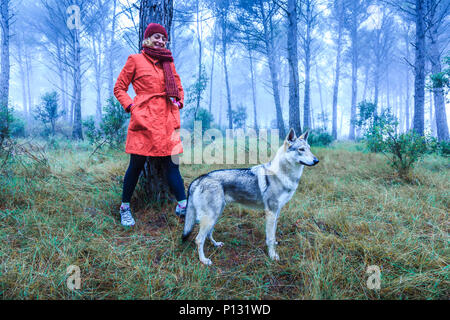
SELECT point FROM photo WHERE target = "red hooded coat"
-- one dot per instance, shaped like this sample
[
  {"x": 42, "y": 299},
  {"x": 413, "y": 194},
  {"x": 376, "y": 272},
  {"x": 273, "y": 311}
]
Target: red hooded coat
[{"x": 155, "y": 120}]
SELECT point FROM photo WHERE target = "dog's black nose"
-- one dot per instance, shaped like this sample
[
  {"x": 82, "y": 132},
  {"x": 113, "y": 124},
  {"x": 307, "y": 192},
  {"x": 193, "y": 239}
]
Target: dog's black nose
[{"x": 316, "y": 161}]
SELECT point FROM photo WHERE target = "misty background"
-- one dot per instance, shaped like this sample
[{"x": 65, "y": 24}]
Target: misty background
[{"x": 345, "y": 52}]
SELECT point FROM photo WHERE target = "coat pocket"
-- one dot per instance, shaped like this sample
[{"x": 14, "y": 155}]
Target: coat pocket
[
  {"x": 139, "y": 116},
  {"x": 175, "y": 111}
]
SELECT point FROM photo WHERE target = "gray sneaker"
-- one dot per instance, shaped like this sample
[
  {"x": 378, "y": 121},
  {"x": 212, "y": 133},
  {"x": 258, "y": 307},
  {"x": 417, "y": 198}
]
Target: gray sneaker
[
  {"x": 125, "y": 217},
  {"x": 180, "y": 211}
]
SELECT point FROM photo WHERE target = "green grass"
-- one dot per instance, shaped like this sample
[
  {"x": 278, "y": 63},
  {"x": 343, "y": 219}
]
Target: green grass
[{"x": 349, "y": 212}]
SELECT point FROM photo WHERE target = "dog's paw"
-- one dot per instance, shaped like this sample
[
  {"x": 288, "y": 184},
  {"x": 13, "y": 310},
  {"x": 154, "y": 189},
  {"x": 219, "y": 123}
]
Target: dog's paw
[
  {"x": 218, "y": 244},
  {"x": 274, "y": 256},
  {"x": 207, "y": 262}
]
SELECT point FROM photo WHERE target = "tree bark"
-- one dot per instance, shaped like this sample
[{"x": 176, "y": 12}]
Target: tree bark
[
  {"x": 111, "y": 52},
  {"x": 272, "y": 67},
  {"x": 438, "y": 93},
  {"x": 334, "y": 130},
  {"x": 419, "y": 68},
  {"x": 407, "y": 78},
  {"x": 200, "y": 53},
  {"x": 225, "y": 69},
  {"x": 252, "y": 73},
  {"x": 77, "y": 131},
  {"x": 307, "y": 114},
  {"x": 294, "y": 94},
  {"x": 212, "y": 68},
  {"x": 354, "y": 53},
  {"x": 5, "y": 71}
]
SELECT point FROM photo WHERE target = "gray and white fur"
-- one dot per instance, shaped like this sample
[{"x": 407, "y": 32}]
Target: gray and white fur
[{"x": 267, "y": 186}]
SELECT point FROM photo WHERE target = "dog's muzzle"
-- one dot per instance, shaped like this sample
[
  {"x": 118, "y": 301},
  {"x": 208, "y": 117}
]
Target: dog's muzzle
[{"x": 315, "y": 161}]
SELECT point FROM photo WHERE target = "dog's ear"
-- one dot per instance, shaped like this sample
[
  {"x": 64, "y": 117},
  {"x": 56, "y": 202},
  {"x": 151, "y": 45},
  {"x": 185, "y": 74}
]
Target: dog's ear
[
  {"x": 291, "y": 136},
  {"x": 305, "y": 135}
]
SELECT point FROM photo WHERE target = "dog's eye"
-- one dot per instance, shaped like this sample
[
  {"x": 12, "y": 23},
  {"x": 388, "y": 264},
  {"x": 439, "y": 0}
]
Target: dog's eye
[{"x": 301, "y": 149}]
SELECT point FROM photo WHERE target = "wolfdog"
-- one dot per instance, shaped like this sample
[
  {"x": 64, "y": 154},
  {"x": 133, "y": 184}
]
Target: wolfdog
[{"x": 266, "y": 186}]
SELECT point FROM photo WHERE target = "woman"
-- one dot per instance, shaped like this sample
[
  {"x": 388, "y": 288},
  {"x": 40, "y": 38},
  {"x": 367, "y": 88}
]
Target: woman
[{"x": 155, "y": 115}]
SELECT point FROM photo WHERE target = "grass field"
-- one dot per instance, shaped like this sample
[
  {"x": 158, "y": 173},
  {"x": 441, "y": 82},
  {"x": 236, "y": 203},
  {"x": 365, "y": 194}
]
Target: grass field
[{"x": 349, "y": 212}]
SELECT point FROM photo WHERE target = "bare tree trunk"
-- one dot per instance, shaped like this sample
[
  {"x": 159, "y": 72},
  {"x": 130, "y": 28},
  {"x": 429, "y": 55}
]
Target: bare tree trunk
[
  {"x": 337, "y": 73},
  {"x": 252, "y": 73},
  {"x": 419, "y": 66},
  {"x": 212, "y": 68},
  {"x": 199, "y": 41},
  {"x": 272, "y": 67},
  {"x": 407, "y": 78},
  {"x": 111, "y": 52},
  {"x": 21, "y": 62},
  {"x": 5, "y": 71},
  {"x": 77, "y": 131},
  {"x": 322, "y": 108},
  {"x": 97, "y": 62},
  {"x": 225, "y": 68},
  {"x": 29, "y": 73},
  {"x": 294, "y": 94},
  {"x": 438, "y": 93},
  {"x": 307, "y": 114},
  {"x": 354, "y": 51},
  {"x": 62, "y": 81}
]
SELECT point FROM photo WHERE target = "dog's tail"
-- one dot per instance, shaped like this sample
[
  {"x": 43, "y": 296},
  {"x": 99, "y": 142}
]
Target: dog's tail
[{"x": 189, "y": 219}]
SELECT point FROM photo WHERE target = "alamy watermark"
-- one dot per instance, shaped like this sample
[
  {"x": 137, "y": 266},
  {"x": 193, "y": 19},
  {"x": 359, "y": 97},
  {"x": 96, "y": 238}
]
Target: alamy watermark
[
  {"x": 74, "y": 279},
  {"x": 236, "y": 147},
  {"x": 374, "y": 280},
  {"x": 74, "y": 19}
]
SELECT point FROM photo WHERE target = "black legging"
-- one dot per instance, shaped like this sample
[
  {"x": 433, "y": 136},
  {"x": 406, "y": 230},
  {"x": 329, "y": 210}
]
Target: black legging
[{"x": 137, "y": 162}]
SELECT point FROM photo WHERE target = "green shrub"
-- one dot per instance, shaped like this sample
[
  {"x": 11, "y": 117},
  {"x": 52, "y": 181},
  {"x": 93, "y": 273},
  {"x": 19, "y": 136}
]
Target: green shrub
[
  {"x": 403, "y": 150},
  {"x": 444, "y": 148},
  {"x": 112, "y": 129},
  {"x": 203, "y": 115},
  {"x": 47, "y": 112},
  {"x": 17, "y": 128},
  {"x": 319, "y": 137}
]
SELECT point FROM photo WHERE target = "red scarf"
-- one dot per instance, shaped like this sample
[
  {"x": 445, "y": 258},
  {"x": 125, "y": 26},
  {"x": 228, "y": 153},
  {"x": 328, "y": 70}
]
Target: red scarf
[{"x": 165, "y": 57}]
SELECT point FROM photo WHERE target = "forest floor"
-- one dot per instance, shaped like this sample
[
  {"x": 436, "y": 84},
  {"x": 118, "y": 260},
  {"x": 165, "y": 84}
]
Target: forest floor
[{"x": 59, "y": 207}]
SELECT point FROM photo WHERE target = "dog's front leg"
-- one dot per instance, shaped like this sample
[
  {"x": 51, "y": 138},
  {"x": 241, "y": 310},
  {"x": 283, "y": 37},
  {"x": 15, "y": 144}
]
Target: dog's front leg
[{"x": 271, "y": 226}]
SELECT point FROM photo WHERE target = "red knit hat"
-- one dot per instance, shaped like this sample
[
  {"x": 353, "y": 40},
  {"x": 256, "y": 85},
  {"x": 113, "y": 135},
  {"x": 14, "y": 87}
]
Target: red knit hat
[{"x": 153, "y": 28}]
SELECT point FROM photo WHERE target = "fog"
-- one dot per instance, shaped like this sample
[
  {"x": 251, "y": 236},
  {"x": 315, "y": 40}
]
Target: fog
[{"x": 41, "y": 57}]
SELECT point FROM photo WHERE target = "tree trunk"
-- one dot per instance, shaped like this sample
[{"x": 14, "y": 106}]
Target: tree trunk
[
  {"x": 225, "y": 68},
  {"x": 354, "y": 52},
  {"x": 294, "y": 94},
  {"x": 111, "y": 52},
  {"x": 307, "y": 114},
  {"x": 273, "y": 71},
  {"x": 199, "y": 77},
  {"x": 5, "y": 71},
  {"x": 336, "y": 76},
  {"x": 322, "y": 107},
  {"x": 407, "y": 78},
  {"x": 212, "y": 68},
  {"x": 62, "y": 81},
  {"x": 98, "y": 76},
  {"x": 29, "y": 72},
  {"x": 252, "y": 73},
  {"x": 77, "y": 131},
  {"x": 419, "y": 68},
  {"x": 438, "y": 93},
  {"x": 21, "y": 63}
]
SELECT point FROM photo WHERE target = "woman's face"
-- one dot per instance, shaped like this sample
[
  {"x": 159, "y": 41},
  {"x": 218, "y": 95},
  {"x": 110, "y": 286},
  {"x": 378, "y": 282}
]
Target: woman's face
[{"x": 157, "y": 40}]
